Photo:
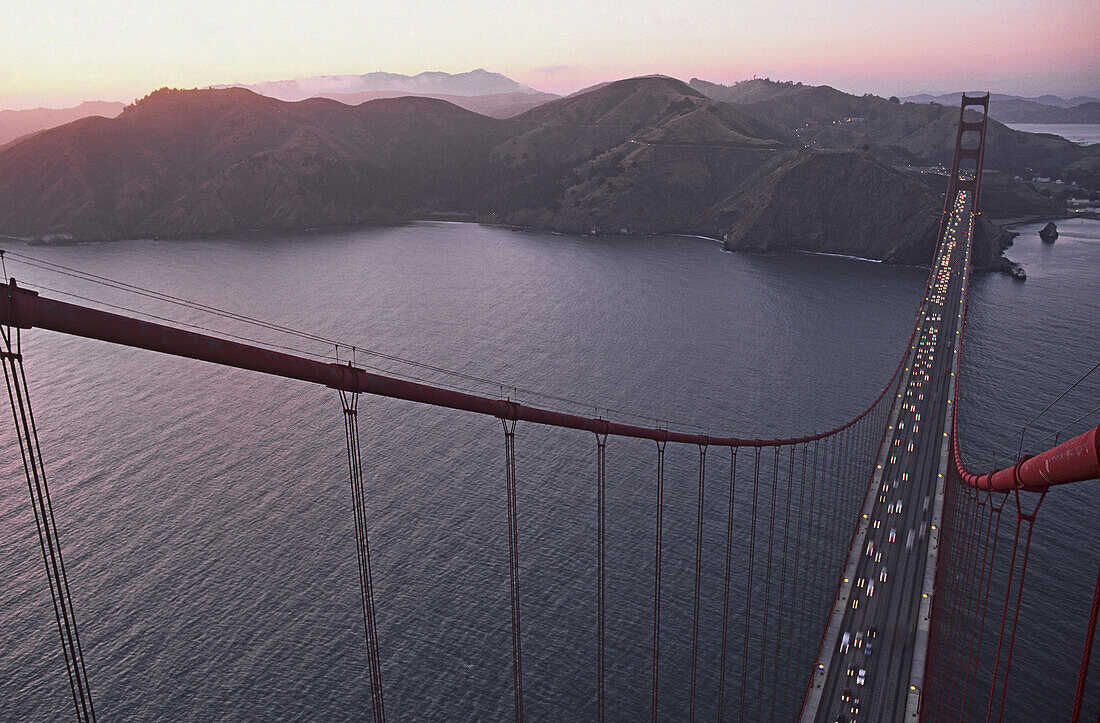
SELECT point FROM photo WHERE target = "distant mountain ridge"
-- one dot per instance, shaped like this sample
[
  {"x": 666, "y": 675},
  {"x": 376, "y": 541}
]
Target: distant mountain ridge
[
  {"x": 472, "y": 83},
  {"x": 1017, "y": 109},
  {"x": 642, "y": 155},
  {"x": 17, "y": 123},
  {"x": 953, "y": 99},
  {"x": 910, "y": 134},
  {"x": 494, "y": 105}
]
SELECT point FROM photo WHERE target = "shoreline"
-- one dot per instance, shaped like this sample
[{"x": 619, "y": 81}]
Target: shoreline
[
  {"x": 1009, "y": 223},
  {"x": 456, "y": 219}
]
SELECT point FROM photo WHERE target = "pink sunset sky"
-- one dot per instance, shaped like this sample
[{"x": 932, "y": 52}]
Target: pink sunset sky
[{"x": 59, "y": 52}]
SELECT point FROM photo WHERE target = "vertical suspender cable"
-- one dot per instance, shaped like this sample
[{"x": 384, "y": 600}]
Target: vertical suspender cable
[
  {"x": 768, "y": 576},
  {"x": 1083, "y": 674},
  {"x": 27, "y": 433},
  {"x": 983, "y": 596},
  {"x": 797, "y": 630},
  {"x": 1004, "y": 616},
  {"x": 726, "y": 589},
  {"x": 975, "y": 597},
  {"x": 698, "y": 577},
  {"x": 782, "y": 586},
  {"x": 748, "y": 587},
  {"x": 977, "y": 515},
  {"x": 350, "y": 403},
  {"x": 513, "y": 564},
  {"x": 952, "y": 523},
  {"x": 601, "y": 481},
  {"x": 815, "y": 545},
  {"x": 966, "y": 547},
  {"x": 850, "y": 475},
  {"x": 657, "y": 579},
  {"x": 958, "y": 597},
  {"x": 833, "y": 472},
  {"x": 1019, "y": 592}
]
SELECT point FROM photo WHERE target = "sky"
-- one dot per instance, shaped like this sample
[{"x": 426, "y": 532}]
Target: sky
[{"x": 56, "y": 53}]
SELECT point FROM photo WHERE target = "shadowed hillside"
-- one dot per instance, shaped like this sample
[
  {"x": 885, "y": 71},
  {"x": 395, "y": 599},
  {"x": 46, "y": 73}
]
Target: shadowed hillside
[
  {"x": 187, "y": 162},
  {"x": 643, "y": 155},
  {"x": 903, "y": 133}
]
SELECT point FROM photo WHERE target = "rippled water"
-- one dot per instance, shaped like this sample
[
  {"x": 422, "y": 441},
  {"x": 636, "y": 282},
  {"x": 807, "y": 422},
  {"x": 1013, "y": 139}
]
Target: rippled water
[{"x": 204, "y": 511}]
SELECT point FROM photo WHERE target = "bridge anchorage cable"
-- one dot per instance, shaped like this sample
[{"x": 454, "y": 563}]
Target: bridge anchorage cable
[
  {"x": 509, "y": 425},
  {"x": 41, "y": 504},
  {"x": 350, "y": 403}
]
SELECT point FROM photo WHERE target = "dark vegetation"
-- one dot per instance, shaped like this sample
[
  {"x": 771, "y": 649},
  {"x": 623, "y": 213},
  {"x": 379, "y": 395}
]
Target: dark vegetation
[{"x": 764, "y": 166}]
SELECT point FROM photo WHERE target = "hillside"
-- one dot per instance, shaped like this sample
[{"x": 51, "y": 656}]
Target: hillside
[
  {"x": 902, "y": 229},
  {"x": 187, "y": 162},
  {"x": 905, "y": 133},
  {"x": 1016, "y": 109},
  {"x": 1023, "y": 111},
  {"x": 496, "y": 105},
  {"x": 643, "y": 155},
  {"x": 1051, "y": 100},
  {"x": 16, "y": 123}
]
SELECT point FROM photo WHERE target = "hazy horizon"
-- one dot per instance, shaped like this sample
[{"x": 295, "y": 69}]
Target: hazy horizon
[
  {"x": 885, "y": 93},
  {"x": 54, "y": 54}
]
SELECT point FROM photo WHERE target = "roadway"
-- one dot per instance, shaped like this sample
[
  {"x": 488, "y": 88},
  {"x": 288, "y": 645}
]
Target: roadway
[{"x": 868, "y": 674}]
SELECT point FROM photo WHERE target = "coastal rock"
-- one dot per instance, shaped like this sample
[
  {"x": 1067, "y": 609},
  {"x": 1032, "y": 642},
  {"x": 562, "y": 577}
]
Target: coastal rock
[{"x": 1049, "y": 233}]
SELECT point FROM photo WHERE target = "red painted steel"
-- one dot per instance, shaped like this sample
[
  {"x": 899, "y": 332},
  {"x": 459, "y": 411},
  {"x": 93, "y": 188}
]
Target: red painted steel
[
  {"x": 27, "y": 309},
  {"x": 1073, "y": 461}
]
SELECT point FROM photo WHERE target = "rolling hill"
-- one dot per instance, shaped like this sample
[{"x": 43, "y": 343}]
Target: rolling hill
[
  {"x": 17, "y": 123},
  {"x": 904, "y": 133},
  {"x": 642, "y": 155}
]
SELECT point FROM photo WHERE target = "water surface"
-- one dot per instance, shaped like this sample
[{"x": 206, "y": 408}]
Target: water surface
[{"x": 204, "y": 511}]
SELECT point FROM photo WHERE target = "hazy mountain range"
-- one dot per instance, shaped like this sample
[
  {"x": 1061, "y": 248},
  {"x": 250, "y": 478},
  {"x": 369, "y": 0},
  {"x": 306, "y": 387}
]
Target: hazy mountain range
[
  {"x": 1053, "y": 100},
  {"x": 498, "y": 96},
  {"x": 497, "y": 105},
  {"x": 479, "y": 90},
  {"x": 1016, "y": 109},
  {"x": 16, "y": 123},
  {"x": 783, "y": 166},
  {"x": 475, "y": 82}
]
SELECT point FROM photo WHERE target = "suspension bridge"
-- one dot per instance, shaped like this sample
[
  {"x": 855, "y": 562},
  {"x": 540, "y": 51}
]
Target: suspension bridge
[{"x": 881, "y": 512}]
